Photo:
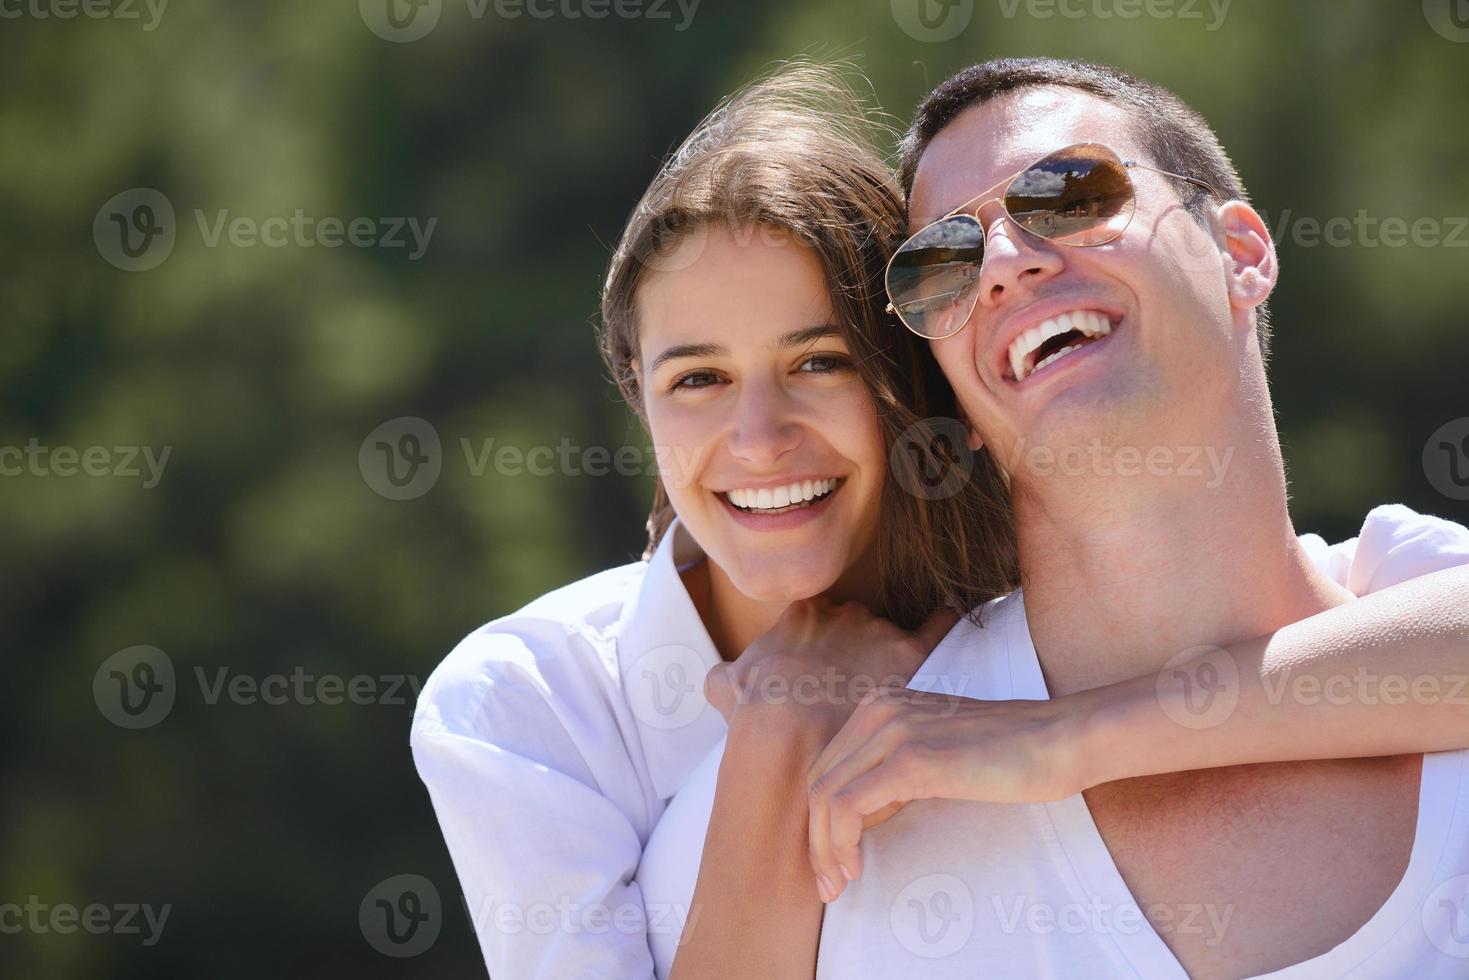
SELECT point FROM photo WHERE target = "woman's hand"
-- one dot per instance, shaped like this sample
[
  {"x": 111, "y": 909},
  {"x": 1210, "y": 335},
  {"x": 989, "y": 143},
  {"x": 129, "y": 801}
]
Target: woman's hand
[
  {"x": 817, "y": 663},
  {"x": 901, "y": 745},
  {"x": 802, "y": 680}
]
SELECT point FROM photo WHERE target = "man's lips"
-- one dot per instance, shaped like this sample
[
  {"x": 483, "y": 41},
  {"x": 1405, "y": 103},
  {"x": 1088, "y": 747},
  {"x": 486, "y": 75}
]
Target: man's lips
[{"x": 1051, "y": 331}]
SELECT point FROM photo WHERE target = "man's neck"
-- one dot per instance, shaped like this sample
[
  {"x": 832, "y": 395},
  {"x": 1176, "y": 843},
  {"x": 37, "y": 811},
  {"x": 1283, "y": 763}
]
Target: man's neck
[{"x": 1121, "y": 573}]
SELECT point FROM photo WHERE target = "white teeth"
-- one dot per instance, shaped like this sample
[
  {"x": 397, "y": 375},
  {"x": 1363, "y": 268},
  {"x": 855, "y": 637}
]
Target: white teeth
[
  {"x": 1055, "y": 357},
  {"x": 774, "y": 498},
  {"x": 1089, "y": 322}
]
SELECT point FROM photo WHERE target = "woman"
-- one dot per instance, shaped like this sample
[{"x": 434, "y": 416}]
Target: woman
[{"x": 744, "y": 324}]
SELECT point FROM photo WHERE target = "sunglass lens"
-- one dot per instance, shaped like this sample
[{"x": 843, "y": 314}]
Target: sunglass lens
[
  {"x": 933, "y": 278},
  {"x": 1081, "y": 195}
]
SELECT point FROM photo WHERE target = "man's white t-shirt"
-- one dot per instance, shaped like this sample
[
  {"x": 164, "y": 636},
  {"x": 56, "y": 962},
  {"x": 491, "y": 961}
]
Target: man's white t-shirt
[{"x": 955, "y": 889}]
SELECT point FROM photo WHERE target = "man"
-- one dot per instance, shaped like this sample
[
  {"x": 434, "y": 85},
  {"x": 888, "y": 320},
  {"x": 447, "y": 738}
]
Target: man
[{"x": 1134, "y": 560}]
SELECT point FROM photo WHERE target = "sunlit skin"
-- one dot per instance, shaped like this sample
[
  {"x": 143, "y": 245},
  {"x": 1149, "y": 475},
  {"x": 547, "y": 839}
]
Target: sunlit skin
[
  {"x": 1184, "y": 344},
  {"x": 757, "y": 394}
]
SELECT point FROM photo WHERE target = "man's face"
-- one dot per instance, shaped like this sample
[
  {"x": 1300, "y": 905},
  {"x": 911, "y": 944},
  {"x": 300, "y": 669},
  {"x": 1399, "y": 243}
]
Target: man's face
[{"x": 1172, "y": 357}]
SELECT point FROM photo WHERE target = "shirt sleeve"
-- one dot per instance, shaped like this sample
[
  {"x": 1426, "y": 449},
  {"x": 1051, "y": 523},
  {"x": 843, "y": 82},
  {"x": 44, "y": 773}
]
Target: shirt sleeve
[
  {"x": 1396, "y": 544},
  {"x": 545, "y": 859}
]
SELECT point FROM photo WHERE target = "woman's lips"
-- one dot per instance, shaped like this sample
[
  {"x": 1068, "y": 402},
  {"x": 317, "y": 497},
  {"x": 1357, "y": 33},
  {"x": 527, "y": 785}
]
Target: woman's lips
[{"x": 783, "y": 518}]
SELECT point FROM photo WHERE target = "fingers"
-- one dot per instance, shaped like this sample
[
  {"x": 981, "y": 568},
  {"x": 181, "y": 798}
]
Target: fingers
[
  {"x": 890, "y": 782},
  {"x": 836, "y": 828}
]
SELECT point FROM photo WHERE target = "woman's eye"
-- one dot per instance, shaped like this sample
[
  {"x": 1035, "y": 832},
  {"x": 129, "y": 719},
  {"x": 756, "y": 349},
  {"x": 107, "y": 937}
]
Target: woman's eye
[
  {"x": 823, "y": 363},
  {"x": 694, "y": 379}
]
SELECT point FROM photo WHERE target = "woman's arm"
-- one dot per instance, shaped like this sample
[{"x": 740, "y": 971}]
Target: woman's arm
[
  {"x": 756, "y": 911},
  {"x": 1384, "y": 675},
  {"x": 521, "y": 768}
]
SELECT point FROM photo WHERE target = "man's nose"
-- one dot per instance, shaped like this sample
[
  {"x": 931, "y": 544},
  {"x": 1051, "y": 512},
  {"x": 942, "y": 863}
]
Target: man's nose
[{"x": 1014, "y": 259}]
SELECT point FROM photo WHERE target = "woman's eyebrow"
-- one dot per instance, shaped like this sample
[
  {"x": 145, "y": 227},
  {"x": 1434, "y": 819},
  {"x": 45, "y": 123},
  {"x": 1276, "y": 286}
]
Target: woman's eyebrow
[
  {"x": 806, "y": 335},
  {"x": 793, "y": 338},
  {"x": 688, "y": 350}
]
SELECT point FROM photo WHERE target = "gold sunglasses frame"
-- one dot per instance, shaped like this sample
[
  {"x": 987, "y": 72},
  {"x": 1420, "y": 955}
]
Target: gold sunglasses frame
[{"x": 981, "y": 199}]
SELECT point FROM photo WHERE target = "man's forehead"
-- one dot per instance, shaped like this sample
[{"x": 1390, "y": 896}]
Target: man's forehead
[{"x": 987, "y": 143}]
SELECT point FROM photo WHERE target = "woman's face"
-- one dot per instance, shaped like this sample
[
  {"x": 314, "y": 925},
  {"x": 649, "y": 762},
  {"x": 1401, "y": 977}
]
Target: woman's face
[{"x": 768, "y": 441}]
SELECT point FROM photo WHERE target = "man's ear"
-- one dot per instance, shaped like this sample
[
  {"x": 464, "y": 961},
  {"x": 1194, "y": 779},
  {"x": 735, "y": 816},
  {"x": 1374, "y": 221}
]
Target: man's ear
[{"x": 1251, "y": 265}]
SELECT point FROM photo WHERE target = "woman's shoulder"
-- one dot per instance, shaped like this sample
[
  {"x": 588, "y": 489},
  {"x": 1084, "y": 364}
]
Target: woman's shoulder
[{"x": 556, "y": 650}]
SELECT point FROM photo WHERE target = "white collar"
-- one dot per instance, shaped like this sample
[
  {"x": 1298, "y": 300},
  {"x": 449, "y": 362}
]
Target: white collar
[{"x": 663, "y": 653}]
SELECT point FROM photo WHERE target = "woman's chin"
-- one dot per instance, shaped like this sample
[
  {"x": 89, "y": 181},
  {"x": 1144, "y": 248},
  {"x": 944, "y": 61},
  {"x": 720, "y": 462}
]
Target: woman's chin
[{"x": 785, "y": 582}]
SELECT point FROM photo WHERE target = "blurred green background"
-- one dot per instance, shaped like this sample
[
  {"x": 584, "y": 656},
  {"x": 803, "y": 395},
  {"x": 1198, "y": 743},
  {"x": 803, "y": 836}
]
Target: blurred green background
[{"x": 266, "y": 546}]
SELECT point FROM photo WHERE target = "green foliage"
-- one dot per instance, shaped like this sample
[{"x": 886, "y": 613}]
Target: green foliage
[{"x": 263, "y": 550}]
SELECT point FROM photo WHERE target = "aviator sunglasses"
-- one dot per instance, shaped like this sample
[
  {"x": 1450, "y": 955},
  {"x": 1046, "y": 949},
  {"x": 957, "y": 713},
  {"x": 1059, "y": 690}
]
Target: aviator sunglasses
[{"x": 1078, "y": 195}]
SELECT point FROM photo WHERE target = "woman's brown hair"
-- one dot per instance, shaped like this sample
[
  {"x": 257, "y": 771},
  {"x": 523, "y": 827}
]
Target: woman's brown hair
[{"x": 794, "y": 152}]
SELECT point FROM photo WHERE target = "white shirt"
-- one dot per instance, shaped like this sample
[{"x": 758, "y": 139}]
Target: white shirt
[
  {"x": 550, "y": 741},
  {"x": 954, "y": 889}
]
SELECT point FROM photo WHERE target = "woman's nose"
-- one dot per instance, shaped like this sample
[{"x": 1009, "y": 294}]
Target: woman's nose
[{"x": 764, "y": 427}]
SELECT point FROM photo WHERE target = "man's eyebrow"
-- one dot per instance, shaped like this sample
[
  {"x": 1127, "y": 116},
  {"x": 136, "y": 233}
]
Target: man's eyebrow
[{"x": 793, "y": 338}]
